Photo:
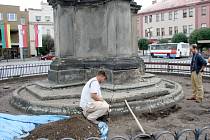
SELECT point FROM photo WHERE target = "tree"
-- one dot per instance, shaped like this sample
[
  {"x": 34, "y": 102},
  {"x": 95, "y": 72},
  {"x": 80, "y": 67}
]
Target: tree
[
  {"x": 47, "y": 45},
  {"x": 163, "y": 41},
  {"x": 193, "y": 38},
  {"x": 199, "y": 34},
  {"x": 180, "y": 37},
  {"x": 143, "y": 44}
]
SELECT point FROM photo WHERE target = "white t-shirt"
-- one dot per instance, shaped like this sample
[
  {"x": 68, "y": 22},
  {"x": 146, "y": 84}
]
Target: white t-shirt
[{"x": 92, "y": 86}]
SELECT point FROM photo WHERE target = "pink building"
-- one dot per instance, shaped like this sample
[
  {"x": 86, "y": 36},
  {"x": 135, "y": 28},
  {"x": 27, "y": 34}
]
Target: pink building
[{"x": 168, "y": 17}]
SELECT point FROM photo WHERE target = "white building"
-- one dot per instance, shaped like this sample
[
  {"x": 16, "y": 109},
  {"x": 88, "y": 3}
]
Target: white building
[{"x": 43, "y": 17}]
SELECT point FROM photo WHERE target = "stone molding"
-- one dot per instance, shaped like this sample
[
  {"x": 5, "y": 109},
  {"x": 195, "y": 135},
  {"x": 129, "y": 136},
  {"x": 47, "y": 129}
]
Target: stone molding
[{"x": 54, "y": 3}]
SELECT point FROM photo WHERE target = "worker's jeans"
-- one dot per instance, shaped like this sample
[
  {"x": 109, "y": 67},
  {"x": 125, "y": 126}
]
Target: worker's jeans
[
  {"x": 96, "y": 109},
  {"x": 197, "y": 85}
]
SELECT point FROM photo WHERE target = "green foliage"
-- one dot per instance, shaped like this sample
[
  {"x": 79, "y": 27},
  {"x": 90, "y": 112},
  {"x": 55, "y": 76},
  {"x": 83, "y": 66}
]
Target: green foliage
[
  {"x": 163, "y": 41},
  {"x": 193, "y": 38},
  {"x": 143, "y": 44},
  {"x": 180, "y": 37},
  {"x": 199, "y": 34},
  {"x": 47, "y": 45}
]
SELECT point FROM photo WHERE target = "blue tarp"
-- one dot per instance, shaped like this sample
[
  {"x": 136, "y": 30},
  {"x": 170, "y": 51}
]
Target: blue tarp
[{"x": 17, "y": 126}]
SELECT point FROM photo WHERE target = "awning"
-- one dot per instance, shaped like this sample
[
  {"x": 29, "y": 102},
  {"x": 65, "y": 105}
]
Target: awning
[{"x": 203, "y": 41}]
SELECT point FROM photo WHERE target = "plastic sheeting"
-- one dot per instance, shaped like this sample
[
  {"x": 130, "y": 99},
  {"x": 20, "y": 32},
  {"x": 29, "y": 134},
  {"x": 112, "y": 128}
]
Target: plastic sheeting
[
  {"x": 104, "y": 129},
  {"x": 17, "y": 126}
]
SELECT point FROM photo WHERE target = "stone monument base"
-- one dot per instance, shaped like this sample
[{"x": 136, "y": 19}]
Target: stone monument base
[{"x": 119, "y": 70}]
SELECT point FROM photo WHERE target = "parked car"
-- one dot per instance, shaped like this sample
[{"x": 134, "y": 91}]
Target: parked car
[{"x": 49, "y": 56}]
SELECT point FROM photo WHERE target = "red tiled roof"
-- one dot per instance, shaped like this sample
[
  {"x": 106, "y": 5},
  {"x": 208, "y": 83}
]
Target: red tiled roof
[{"x": 166, "y": 4}]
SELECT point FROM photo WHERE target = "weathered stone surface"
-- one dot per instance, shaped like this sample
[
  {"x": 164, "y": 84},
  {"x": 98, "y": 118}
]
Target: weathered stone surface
[
  {"x": 97, "y": 31},
  {"x": 95, "y": 34},
  {"x": 149, "y": 95},
  {"x": 119, "y": 70}
]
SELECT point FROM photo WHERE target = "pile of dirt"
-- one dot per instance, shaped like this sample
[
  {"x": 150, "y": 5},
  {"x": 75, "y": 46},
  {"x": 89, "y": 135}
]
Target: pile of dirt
[{"x": 76, "y": 127}]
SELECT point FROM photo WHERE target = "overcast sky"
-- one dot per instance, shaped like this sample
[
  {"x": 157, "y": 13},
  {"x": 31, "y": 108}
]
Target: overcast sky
[{"x": 36, "y": 3}]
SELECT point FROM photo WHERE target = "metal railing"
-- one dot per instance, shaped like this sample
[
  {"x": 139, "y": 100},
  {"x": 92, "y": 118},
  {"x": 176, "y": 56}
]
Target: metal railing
[
  {"x": 185, "y": 134},
  {"x": 175, "y": 68},
  {"x": 22, "y": 70}
]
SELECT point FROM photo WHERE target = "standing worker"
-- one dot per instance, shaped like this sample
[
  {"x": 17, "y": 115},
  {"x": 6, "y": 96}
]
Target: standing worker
[
  {"x": 198, "y": 64},
  {"x": 92, "y": 102}
]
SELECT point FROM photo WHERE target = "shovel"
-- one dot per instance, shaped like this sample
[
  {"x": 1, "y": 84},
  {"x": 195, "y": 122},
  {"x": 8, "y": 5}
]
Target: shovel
[{"x": 143, "y": 135}]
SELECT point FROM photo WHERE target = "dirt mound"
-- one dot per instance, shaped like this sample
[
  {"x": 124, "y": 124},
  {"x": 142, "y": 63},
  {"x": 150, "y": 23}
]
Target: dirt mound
[{"x": 76, "y": 127}]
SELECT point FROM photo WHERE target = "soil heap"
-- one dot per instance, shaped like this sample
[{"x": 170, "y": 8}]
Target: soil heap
[{"x": 76, "y": 127}]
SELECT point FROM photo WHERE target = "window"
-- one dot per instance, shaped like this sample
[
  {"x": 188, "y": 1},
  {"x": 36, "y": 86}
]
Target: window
[
  {"x": 175, "y": 14},
  {"x": 146, "y": 19},
  {"x": 150, "y": 34},
  {"x": 38, "y": 18},
  {"x": 150, "y": 18},
  {"x": 190, "y": 12},
  {"x": 185, "y": 29},
  {"x": 203, "y": 25},
  {"x": 157, "y": 17},
  {"x": 162, "y": 32},
  {"x": 47, "y": 18},
  {"x": 11, "y": 17},
  {"x": 203, "y": 10},
  {"x": 48, "y": 31},
  {"x": 158, "y": 31},
  {"x": 170, "y": 30},
  {"x": 162, "y": 16},
  {"x": 22, "y": 21},
  {"x": 176, "y": 30},
  {"x": 190, "y": 28},
  {"x": 146, "y": 33},
  {"x": 170, "y": 15},
  {"x": 1, "y": 16},
  {"x": 184, "y": 13}
]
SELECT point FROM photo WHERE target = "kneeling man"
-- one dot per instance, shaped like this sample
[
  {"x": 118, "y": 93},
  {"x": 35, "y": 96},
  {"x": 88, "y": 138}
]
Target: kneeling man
[{"x": 92, "y": 102}]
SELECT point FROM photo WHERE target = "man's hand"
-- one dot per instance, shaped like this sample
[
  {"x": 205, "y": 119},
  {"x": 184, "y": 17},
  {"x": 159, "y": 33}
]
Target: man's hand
[
  {"x": 95, "y": 97},
  {"x": 202, "y": 69}
]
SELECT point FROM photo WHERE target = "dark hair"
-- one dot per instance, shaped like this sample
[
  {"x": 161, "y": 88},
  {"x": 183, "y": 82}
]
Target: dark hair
[
  {"x": 102, "y": 73},
  {"x": 194, "y": 46}
]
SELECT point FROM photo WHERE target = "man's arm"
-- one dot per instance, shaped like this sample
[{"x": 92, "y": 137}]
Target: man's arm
[
  {"x": 203, "y": 62},
  {"x": 95, "y": 97},
  {"x": 209, "y": 60}
]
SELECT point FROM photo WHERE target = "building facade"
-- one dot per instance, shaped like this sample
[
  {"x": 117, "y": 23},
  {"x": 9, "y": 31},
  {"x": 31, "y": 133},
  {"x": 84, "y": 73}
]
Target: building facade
[
  {"x": 43, "y": 17},
  {"x": 165, "y": 18},
  {"x": 13, "y": 16}
]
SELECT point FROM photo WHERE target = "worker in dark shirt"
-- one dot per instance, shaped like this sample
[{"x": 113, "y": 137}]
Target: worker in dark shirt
[{"x": 198, "y": 64}]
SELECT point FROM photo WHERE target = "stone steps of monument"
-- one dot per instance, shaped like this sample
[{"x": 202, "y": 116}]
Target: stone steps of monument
[
  {"x": 51, "y": 94},
  {"x": 138, "y": 85},
  {"x": 29, "y": 103},
  {"x": 66, "y": 100},
  {"x": 70, "y": 106},
  {"x": 135, "y": 95},
  {"x": 114, "y": 97},
  {"x": 45, "y": 84},
  {"x": 75, "y": 91},
  {"x": 118, "y": 96}
]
